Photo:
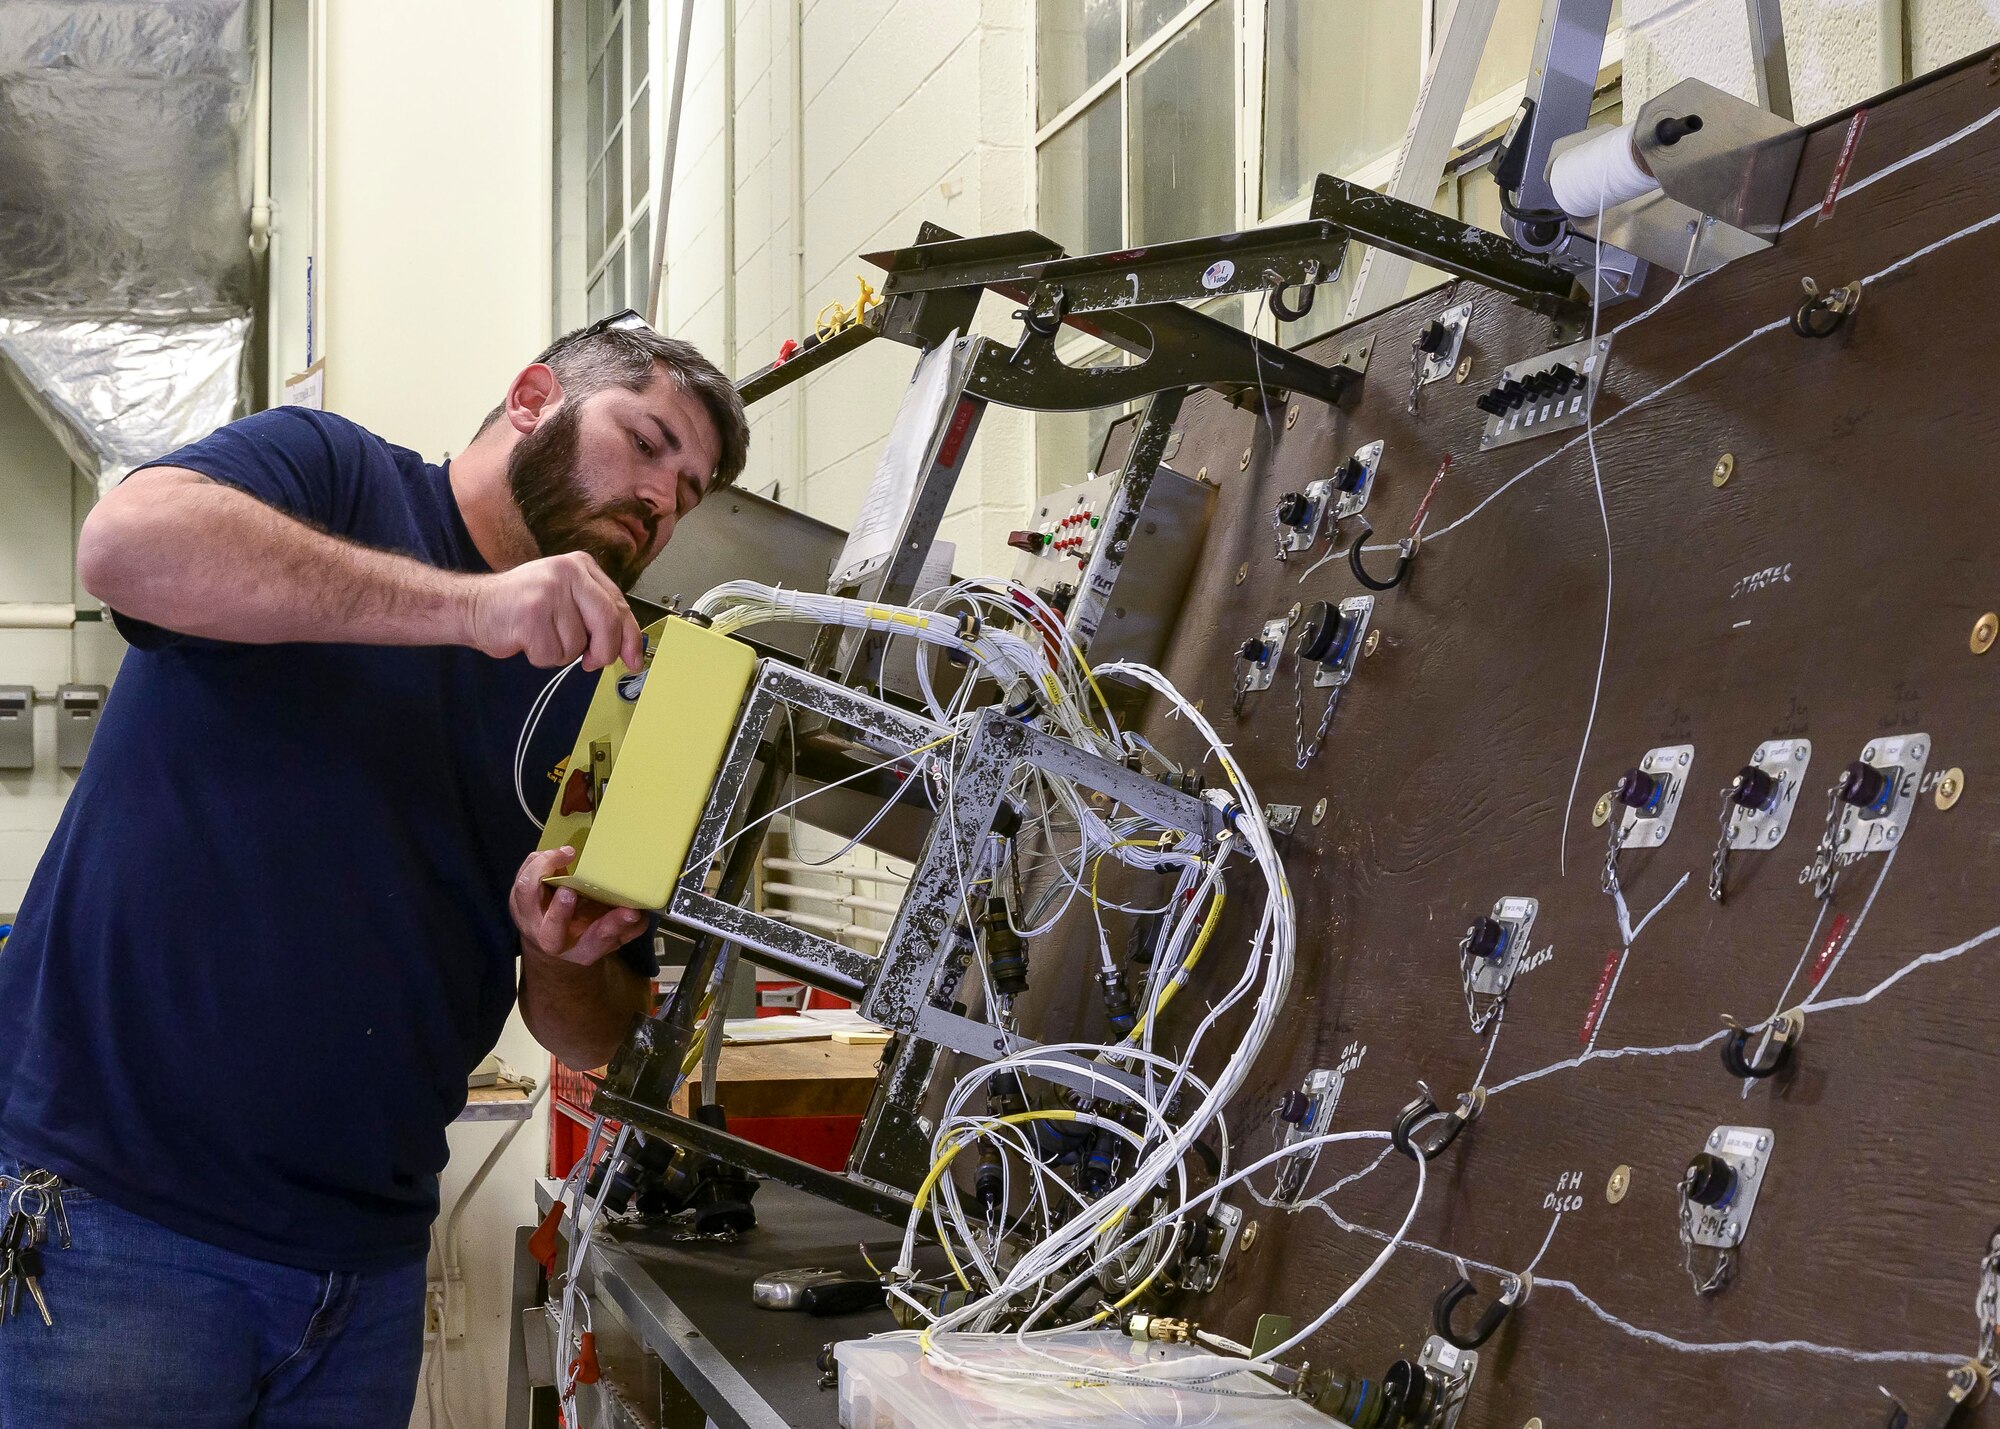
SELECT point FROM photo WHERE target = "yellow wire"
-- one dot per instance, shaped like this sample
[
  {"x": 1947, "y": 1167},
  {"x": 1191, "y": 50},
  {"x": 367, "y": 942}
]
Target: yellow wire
[
  {"x": 1174, "y": 983},
  {"x": 943, "y": 1163}
]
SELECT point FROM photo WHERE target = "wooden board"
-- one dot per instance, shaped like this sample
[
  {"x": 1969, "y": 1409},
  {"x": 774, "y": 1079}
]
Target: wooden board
[
  {"x": 823, "y": 1078},
  {"x": 1864, "y": 488}
]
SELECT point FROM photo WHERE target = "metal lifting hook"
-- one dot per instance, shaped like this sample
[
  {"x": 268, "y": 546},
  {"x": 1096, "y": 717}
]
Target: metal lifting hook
[
  {"x": 1781, "y": 1036},
  {"x": 1406, "y": 552},
  {"x": 1307, "y": 289},
  {"x": 1514, "y": 1290}
]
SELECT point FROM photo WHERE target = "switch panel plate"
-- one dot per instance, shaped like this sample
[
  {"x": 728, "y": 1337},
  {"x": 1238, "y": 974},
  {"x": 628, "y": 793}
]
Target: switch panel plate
[
  {"x": 1439, "y": 365},
  {"x": 1554, "y": 413},
  {"x": 1276, "y": 632},
  {"x": 1902, "y": 758},
  {"x": 1670, "y": 764},
  {"x": 1747, "y": 1149},
  {"x": 77, "y": 711},
  {"x": 1488, "y": 978},
  {"x": 1326, "y": 676},
  {"x": 1293, "y": 539},
  {"x": 17, "y": 726},
  {"x": 1454, "y": 1369},
  {"x": 1784, "y": 760},
  {"x": 1322, "y": 1089}
]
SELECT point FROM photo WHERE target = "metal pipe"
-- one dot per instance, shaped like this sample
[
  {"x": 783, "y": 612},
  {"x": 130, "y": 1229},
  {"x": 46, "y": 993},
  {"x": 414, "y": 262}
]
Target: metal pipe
[
  {"x": 838, "y": 900},
  {"x": 836, "y": 870},
  {"x": 655, "y": 290}
]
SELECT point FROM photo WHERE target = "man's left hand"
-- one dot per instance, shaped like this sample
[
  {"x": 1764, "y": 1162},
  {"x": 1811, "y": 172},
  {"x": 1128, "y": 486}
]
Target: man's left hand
[{"x": 559, "y": 922}]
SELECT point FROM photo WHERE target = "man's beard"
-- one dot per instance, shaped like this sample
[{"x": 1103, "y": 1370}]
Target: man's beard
[{"x": 560, "y": 512}]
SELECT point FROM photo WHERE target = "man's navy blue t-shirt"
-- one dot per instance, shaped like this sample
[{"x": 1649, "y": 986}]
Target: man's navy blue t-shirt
[{"x": 270, "y": 936}]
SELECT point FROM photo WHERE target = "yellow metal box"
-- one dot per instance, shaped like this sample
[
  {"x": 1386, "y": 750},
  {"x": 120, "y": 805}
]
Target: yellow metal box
[{"x": 644, "y": 761}]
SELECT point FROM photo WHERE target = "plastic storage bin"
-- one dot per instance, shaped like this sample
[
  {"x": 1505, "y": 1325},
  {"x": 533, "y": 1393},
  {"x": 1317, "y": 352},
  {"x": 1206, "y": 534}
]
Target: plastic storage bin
[{"x": 885, "y": 1384}]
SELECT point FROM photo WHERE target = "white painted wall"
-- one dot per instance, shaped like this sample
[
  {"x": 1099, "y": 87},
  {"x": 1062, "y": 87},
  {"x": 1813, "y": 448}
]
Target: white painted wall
[
  {"x": 913, "y": 110},
  {"x": 44, "y": 501}
]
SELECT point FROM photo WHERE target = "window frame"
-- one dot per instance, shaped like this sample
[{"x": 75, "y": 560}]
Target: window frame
[{"x": 576, "y": 268}]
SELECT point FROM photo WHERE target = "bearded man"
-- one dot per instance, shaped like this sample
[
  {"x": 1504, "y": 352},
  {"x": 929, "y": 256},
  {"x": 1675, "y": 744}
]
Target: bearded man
[{"x": 292, "y": 896}]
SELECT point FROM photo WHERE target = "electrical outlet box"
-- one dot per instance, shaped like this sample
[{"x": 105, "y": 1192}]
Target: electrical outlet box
[
  {"x": 17, "y": 726},
  {"x": 444, "y": 1306},
  {"x": 77, "y": 709},
  {"x": 638, "y": 777}
]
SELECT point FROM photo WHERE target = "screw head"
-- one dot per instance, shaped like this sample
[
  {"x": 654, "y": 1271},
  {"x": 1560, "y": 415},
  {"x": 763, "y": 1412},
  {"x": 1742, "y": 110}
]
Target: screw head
[
  {"x": 1602, "y": 812},
  {"x": 1949, "y": 788},
  {"x": 1291, "y": 417},
  {"x": 1798, "y": 751},
  {"x": 1463, "y": 370},
  {"x": 1758, "y": 756},
  {"x": 1249, "y": 1236},
  {"x": 1730, "y": 1230},
  {"x": 1618, "y": 1185},
  {"x": 1763, "y": 1143},
  {"x": 1868, "y": 753},
  {"x": 1242, "y": 572},
  {"x": 1319, "y": 811},
  {"x": 1725, "y": 467},
  {"x": 1984, "y": 630},
  {"x": 1715, "y": 1138},
  {"x": 1244, "y": 463},
  {"x": 1771, "y": 836},
  {"x": 1660, "y": 834},
  {"x": 1684, "y": 759},
  {"x": 1372, "y": 643}
]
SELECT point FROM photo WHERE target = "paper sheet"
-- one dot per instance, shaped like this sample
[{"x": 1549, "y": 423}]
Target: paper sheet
[{"x": 880, "y": 519}]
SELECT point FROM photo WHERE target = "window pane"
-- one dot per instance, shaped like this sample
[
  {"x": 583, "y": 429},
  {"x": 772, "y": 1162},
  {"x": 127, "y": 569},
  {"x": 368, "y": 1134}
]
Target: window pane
[
  {"x": 600, "y": 20},
  {"x": 594, "y": 126},
  {"x": 1149, "y": 15},
  {"x": 1340, "y": 81},
  {"x": 614, "y": 188},
  {"x": 614, "y": 76},
  {"x": 1081, "y": 207},
  {"x": 640, "y": 248},
  {"x": 1076, "y": 44},
  {"x": 598, "y": 293},
  {"x": 1510, "y": 45},
  {"x": 636, "y": 140},
  {"x": 615, "y": 271},
  {"x": 636, "y": 16},
  {"x": 594, "y": 215},
  {"x": 1183, "y": 134}
]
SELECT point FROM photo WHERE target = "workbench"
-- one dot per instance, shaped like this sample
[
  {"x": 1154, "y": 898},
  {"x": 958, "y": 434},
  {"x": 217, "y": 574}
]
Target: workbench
[{"x": 698, "y": 1349}]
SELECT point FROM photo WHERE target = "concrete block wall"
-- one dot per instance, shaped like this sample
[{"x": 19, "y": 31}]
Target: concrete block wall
[
  {"x": 1840, "y": 51},
  {"x": 912, "y": 110}
]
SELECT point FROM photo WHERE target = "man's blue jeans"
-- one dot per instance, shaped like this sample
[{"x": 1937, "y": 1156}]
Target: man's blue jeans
[{"x": 157, "y": 1331}]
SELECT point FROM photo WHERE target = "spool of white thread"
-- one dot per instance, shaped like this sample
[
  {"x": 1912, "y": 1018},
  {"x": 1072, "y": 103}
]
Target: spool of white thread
[{"x": 1599, "y": 174}]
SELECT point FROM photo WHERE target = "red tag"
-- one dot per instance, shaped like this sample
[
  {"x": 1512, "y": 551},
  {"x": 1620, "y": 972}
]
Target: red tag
[
  {"x": 787, "y": 351},
  {"x": 1825, "y": 959},
  {"x": 542, "y": 1244},
  {"x": 954, "y": 435},
  {"x": 1847, "y": 148},
  {"x": 1424, "y": 506},
  {"x": 1603, "y": 991}
]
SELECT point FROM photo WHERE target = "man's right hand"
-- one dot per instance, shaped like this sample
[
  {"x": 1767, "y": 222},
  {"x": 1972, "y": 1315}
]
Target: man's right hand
[{"x": 553, "y": 610}]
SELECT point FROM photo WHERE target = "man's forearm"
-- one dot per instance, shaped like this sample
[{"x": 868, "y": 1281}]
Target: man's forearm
[
  {"x": 580, "y": 1013},
  {"x": 197, "y": 557}
]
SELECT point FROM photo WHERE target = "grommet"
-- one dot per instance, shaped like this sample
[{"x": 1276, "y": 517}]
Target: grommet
[
  {"x": 1949, "y": 786},
  {"x": 1725, "y": 467},
  {"x": 1372, "y": 643},
  {"x": 1463, "y": 370},
  {"x": 1983, "y": 632},
  {"x": 1601, "y": 814},
  {"x": 1319, "y": 811},
  {"x": 1242, "y": 573},
  {"x": 1618, "y": 1185}
]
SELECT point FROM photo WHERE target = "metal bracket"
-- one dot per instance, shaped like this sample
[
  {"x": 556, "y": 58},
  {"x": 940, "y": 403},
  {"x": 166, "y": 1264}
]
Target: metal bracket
[
  {"x": 1747, "y": 1149},
  {"x": 1436, "y": 366},
  {"x": 1902, "y": 759},
  {"x": 1276, "y": 631},
  {"x": 1785, "y": 761},
  {"x": 1327, "y": 504},
  {"x": 1339, "y": 671},
  {"x": 1669, "y": 764},
  {"x": 1488, "y": 978},
  {"x": 1550, "y": 393},
  {"x": 1321, "y": 1089},
  {"x": 1451, "y": 1370},
  {"x": 1204, "y": 1272}
]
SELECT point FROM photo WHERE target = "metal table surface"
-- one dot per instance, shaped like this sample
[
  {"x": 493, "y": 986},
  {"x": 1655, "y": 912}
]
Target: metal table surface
[{"x": 688, "y": 1300}]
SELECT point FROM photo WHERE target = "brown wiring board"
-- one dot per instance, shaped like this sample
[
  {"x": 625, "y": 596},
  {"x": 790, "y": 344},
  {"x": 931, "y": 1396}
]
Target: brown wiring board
[{"x": 1827, "y": 590}]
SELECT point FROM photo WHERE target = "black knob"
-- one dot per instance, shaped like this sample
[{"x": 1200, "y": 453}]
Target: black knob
[
  {"x": 1562, "y": 377},
  {"x": 1512, "y": 393},
  {"x": 1864, "y": 786},
  {"x": 1486, "y": 938},
  {"x": 1491, "y": 403},
  {"x": 1538, "y": 385},
  {"x": 1671, "y": 131},
  {"x": 1711, "y": 1181},
  {"x": 1434, "y": 338},
  {"x": 1293, "y": 1107},
  {"x": 1294, "y": 509},
  {"x": 1325, "y": 633},
  {"x": 1254, "y": 651},
  {"x": 1752, "y": 788},
  {"x": 1351, "y": 475},
  {"x": 1639, "y": 790}
]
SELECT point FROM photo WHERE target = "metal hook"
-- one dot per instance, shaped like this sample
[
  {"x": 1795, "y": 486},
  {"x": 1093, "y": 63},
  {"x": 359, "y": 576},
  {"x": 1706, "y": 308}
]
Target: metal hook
[
  {"x": 1307, "y": 289},
  {"x": 1513, "y": 1291},
  {"x": 1821, "y": 314},
  {"x": 1965, "y": 1387},
  {"x": 1781, "y": 1035},
  {"x": 1406, "y": 552},
  {"x": 1425, "y": 1109}
]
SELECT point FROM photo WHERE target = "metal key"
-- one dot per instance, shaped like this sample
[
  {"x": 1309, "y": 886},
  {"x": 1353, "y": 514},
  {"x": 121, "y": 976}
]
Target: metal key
[{"x": 28, "y": 1269}]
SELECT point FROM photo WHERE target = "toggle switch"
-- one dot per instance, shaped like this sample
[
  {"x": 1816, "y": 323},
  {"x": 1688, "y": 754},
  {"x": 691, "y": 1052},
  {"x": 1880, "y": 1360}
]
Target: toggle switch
[
  {"x": 1351, "y": 475},
  {"x": 1640, "y": 791},
  {"x": 1711, "y": 1181},
  {"x": 1753, "y": 789},
  {"x": 1294, "y": 509},
  {"x": 1865, "y": 787},
  {"x": 1486, "y": 938}
]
